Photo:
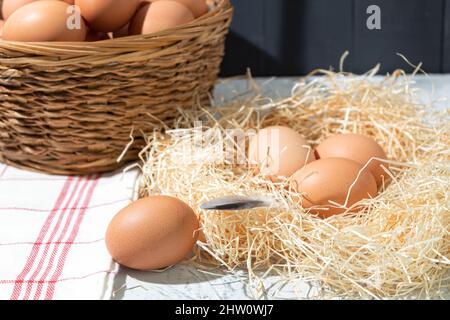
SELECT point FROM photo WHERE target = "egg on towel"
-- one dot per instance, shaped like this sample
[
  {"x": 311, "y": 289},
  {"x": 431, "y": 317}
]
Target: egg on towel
[{"x": 152, "y": 233}]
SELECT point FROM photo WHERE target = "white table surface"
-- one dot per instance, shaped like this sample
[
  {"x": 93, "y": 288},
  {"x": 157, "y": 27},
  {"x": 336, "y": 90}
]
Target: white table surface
[{"x": 186, "y": 282}]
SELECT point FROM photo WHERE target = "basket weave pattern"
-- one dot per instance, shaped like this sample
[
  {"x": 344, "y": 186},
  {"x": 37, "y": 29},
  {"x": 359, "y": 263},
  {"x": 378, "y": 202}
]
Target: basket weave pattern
[{"x": 69, "y": 108}]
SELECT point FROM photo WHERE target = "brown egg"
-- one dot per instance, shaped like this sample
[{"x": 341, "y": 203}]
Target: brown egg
[
  {"x": 197, "y": 7},
  {"x": 358, "y": 148},
  {"x": 9, "y": 6},
  {"x": 159, "y": 16},
  {"x": 107, "y": 15},
  {"x": 152, "y": 233},
  {"x": 330, "y": 179},
  {"x": 44, "y": 20},
  {"x": 279, "y": 152}
]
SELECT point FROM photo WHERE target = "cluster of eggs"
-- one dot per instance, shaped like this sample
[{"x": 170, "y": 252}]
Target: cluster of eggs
[
  {"x": 93, "y": 20},
  {"x": 343, "y": 170},
  {"x": 159, "y": 231}
]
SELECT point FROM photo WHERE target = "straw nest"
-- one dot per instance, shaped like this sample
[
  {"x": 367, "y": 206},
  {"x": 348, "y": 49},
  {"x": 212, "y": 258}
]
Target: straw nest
[{"x": 397, "y": 247}]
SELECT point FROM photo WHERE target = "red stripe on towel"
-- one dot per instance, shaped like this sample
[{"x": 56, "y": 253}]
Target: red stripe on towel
[
  {"x": 49, "y": 264},
  {"x": 36, "y": 248},
  {"x": 67, "y": 246}
]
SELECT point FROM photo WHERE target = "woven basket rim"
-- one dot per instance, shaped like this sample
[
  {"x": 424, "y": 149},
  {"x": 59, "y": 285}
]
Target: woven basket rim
[
  {"x": 12, "y": 52},
  {"x": 72, "y": 108}
]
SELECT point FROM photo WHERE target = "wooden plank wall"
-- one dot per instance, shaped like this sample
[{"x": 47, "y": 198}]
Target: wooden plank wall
[{"x": 293, "y": 37}]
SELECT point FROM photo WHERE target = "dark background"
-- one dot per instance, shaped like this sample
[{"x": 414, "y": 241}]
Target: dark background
[{"x": 293, "y": 37}]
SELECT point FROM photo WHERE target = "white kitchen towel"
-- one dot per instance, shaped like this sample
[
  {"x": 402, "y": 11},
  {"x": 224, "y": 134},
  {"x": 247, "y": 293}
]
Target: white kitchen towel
[{"x": 52, "y": 233}]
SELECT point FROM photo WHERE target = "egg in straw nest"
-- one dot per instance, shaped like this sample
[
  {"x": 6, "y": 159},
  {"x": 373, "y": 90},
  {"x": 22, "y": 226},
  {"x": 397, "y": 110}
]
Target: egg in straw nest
[{"x": 396, "y": 247}]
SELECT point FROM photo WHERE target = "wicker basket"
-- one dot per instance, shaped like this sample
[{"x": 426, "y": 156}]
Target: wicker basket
[{"x": 69, "y": 108}]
